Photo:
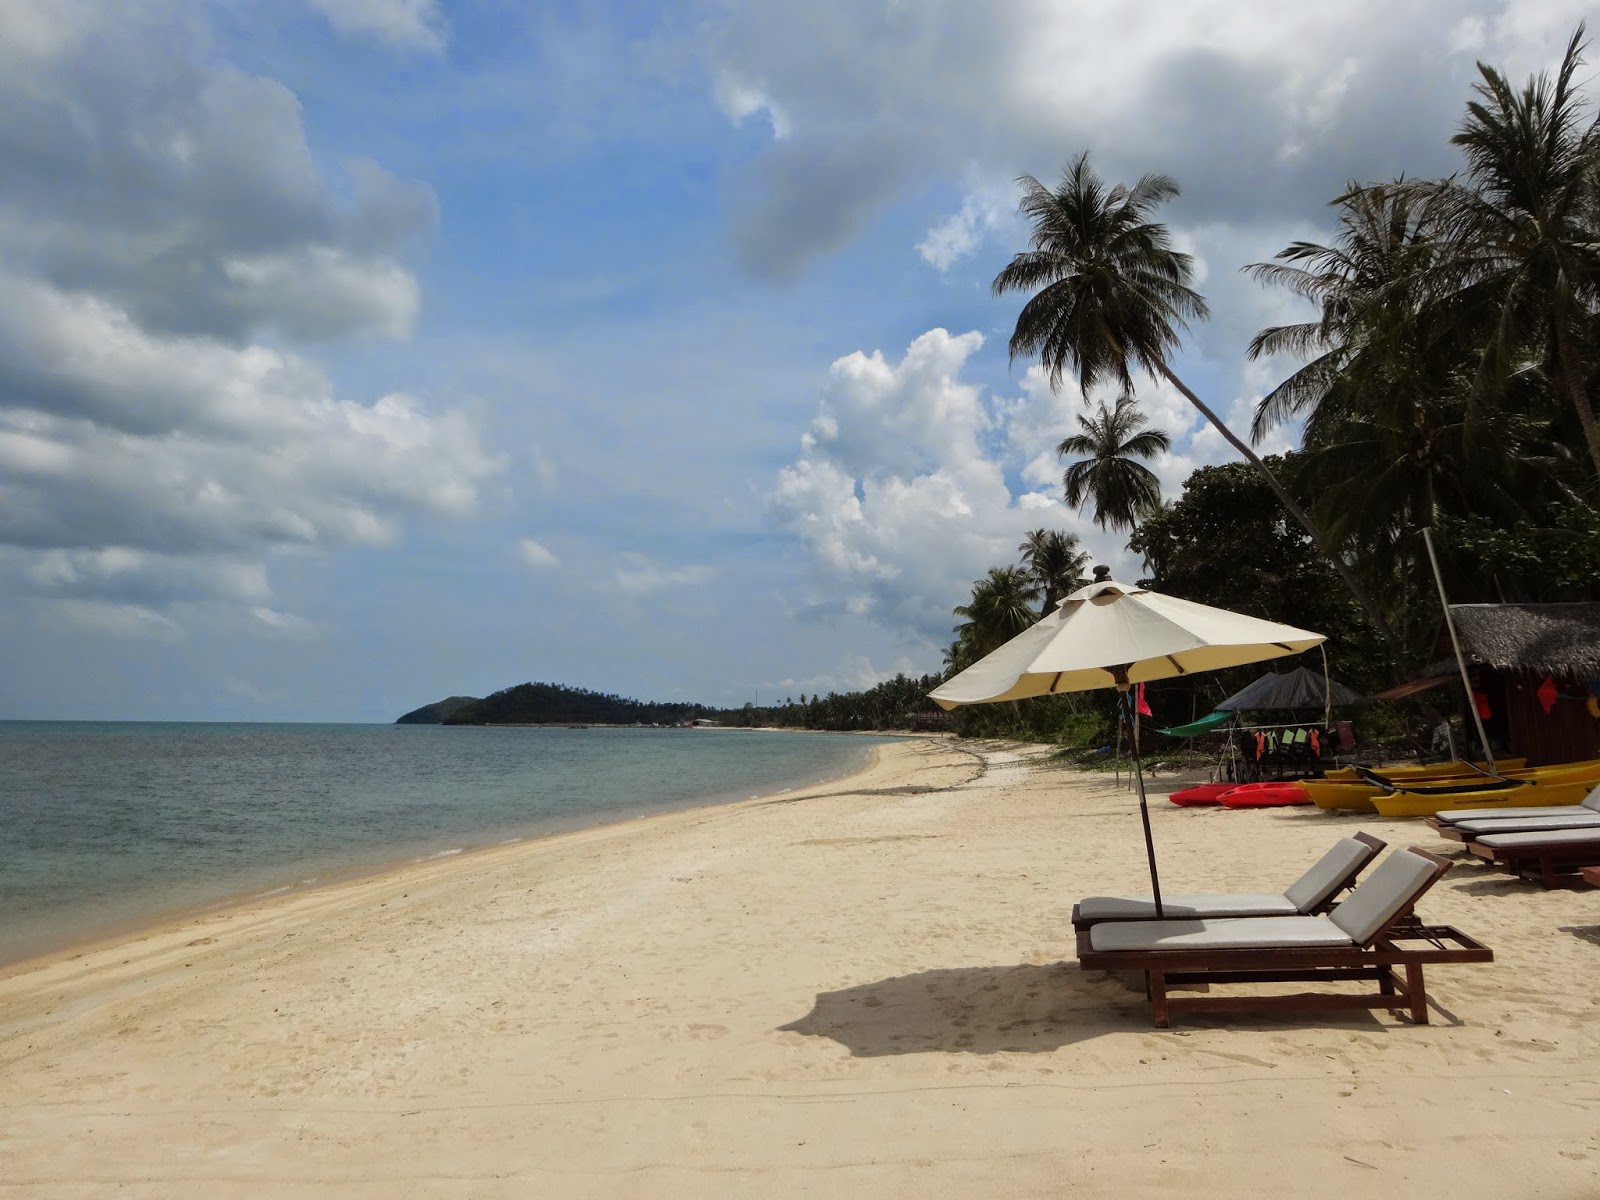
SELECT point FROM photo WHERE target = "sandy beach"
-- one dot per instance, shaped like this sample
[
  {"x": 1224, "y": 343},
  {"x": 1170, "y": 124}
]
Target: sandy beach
[{"x": 865, "y": 988}]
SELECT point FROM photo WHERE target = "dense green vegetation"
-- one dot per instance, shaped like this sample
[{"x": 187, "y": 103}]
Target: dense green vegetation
[
  {"x": 898, "y": 703},
  {"x": 1446, "y": 382}
]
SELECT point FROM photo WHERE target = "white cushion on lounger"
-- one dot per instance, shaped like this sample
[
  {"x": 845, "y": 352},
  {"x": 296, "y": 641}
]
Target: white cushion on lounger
[
  {"x": 1304, "y": 894},
  {"x": 1317, "y": 884},
  {"x": 1392, "y": 885},
  {"x": 1560, "y": 836},
  {"x": 1220, "y": 904},
  {"x": 1591, "y": 803},
  {"x": 1243, "y": 933},
  {"x": 1578, "y": 820}
]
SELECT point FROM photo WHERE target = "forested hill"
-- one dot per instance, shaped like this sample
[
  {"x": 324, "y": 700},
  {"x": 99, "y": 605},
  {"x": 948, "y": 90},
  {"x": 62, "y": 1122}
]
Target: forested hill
[
  {"x": 555, "y": 704},
  {"x": 438, "y": 712},
  {"x": 900, "y": 703}
]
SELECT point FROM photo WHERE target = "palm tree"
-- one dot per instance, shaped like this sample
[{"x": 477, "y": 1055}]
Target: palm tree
[
  {"x": 1390, "y": 439},
  {"x": 1054, "y": 560},
  {"x": 1001, "y": 607},
  {"x": 1111, "y": 294},
  {"x": 1110, "y": 474},
  {"x": 1524, "y": 260}
]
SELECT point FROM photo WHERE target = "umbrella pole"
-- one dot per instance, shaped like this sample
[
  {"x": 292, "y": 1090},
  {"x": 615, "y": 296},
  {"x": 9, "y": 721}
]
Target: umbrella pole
[{"x": 1144, "y": 807}]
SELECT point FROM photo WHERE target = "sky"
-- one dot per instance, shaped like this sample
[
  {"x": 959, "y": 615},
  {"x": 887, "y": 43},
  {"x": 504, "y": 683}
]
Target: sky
[{"x": 356, "y": 353}]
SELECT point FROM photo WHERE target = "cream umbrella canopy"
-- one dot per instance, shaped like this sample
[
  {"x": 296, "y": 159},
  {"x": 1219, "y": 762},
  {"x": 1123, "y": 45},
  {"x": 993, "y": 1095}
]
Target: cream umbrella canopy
[{"x": 1111, "y": 634}]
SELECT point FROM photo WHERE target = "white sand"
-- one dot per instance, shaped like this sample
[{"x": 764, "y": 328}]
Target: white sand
[{"x": 866, "y": 989}]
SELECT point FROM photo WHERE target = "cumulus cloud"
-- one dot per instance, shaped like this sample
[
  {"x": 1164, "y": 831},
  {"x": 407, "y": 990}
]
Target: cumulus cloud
[
  {"x": 903, "y": 491},
  {"x": 168, "y": 240},
  {"x": 1261, "y": 110},
  {"x": 407, "y": 24},
  {"x": 911, "y": 482},
  {"x": 537, "y": 556}
]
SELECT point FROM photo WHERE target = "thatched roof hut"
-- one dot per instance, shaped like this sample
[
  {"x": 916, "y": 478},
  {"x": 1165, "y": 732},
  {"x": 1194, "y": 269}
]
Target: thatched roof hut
[
  {"x": 1550, "y": 639},
  {"x": 1514, "y": 650}
]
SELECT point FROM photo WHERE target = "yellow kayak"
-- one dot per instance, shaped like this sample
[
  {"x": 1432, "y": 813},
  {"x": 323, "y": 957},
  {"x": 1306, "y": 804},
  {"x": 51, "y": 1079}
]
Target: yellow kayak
[
  {"x": 1443, "y": 770},
  {"x": 1554, "y": 791},
  {"x": 1360, "y": 796}
]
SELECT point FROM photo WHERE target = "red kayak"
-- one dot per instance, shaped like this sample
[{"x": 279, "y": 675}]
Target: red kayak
[
  {"x": 1264, "y": 795},
  {"x": 1202, "y": 793}
]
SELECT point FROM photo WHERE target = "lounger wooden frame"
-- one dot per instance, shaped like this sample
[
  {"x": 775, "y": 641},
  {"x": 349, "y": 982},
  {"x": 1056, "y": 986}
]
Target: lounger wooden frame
[
  {"x": 1454, "y": 833},
  {"x": 1402, "y": 942},
  {"x": 1376, "y": 845},
  {"x": 1591, "y": 875},
  {"x": 1546, "y": 861}
]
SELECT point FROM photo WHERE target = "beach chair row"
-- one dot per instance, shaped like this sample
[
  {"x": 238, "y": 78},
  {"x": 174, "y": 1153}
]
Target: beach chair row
[{"x": 1547, "y": 844}]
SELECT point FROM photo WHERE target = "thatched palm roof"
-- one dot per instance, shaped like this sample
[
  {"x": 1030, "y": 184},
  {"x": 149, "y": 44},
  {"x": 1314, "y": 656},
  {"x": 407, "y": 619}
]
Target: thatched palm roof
[{"x": 1551, "y": 639}]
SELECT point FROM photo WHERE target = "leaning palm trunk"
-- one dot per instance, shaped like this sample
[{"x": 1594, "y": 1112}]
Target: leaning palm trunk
[
  {"x": 1577, "y": 395},
  {"x": 1374, "y": 613}
]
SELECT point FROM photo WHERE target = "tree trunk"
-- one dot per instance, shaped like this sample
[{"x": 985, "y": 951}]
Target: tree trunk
[
  {"x": 1572, "y": 382},
  {"x": 1374, "y": 613}
]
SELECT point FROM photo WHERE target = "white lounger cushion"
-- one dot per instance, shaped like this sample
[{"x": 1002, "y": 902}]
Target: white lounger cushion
[
  {"x": 1304, "y": 894},
  {"x": 1557, "y": 836},
  {"x": 1325, "y": 875},
  {"x": 1591, "y": 802},
  {"x": 1219, "y": 904},
  {"x": 1509, "y": 824},
  {"x": 1243, "y": 933},
  {"x": 1392, "y": 885}
]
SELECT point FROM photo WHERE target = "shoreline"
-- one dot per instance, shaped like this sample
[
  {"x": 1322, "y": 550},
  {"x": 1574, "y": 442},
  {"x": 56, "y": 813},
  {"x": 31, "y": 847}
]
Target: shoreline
[{"x": 134, "y": 929}]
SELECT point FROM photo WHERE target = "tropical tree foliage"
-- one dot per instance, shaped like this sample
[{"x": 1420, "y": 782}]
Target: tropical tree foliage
[
  {"x": 1109, "y": 474},
  {"x": 1110, "y": 296},
  {"x": 1056, "y": 563}
]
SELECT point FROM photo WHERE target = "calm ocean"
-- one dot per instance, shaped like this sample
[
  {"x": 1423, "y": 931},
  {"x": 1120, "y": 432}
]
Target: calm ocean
[{"x": 105, "y": 824}]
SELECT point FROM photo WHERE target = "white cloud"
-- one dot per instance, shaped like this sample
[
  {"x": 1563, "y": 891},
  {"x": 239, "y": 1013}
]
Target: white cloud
[
  {"x": 537, "y": 556},
  {"x": 284, "y": 623},
  {"x": 740, "y": 100},
  {"x": 408, "y": 24},
  {"x": 638, "y": 576},
  {"x": 982, "y": 210},
  {"x": 896, "y": 495}
]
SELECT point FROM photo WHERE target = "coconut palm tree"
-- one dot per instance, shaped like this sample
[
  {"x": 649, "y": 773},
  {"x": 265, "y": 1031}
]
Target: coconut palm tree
[
  {"x": 1522, "y": 265},
  {"x": 1109, "y": 474},
  {"x": 1056, "y": 563},
  {"x": 1110, "y": 294},
  {"x": 1001, "y": 607}
]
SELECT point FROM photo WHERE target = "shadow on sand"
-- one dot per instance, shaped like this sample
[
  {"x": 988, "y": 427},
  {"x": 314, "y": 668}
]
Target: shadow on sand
[
  {"x": 976, "y": 1010},
  {"x": 1023, "y": 1009}
]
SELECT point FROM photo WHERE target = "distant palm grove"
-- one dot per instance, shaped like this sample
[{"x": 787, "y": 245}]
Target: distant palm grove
[{"x": 1447, "y": 368}]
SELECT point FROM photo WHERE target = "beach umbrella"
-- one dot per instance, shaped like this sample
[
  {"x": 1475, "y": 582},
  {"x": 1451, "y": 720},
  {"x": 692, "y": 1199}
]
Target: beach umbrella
[
  {"x": 1112, "y": 634},
  {"x": 1299, "y": 688}
]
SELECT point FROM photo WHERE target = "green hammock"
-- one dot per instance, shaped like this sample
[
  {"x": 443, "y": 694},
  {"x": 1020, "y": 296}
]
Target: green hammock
[{"x": 1204, "y": 725}]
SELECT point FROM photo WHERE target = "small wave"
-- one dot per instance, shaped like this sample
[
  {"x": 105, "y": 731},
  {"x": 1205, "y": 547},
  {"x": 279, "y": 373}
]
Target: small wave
[
  {"x": 274, "y": 892},
  {"x": 440, "y": 854},
  {"x": 511, "y": 841}
]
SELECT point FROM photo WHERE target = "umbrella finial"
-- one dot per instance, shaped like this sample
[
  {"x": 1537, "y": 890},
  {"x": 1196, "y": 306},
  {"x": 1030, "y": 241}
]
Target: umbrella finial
[{"x": 1102, "y": 574}]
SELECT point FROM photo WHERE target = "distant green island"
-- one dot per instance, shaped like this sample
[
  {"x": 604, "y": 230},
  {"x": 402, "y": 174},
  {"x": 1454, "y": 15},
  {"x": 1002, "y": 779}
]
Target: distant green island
[{"x": 898, "y": 703}]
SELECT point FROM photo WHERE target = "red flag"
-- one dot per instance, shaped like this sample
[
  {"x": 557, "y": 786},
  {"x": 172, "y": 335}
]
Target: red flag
[
  {"x": 1547, "y": 694},
  {"x": 1143, "y": 705}
]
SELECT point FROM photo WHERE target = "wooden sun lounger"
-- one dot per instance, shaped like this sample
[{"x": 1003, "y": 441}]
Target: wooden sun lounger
[
  {"x": 1470, "y": 831},
  {"x": 1314, "y": 892},
  {"x": 1549, "y": 854},
  {"x": 1389, "y": 946}
]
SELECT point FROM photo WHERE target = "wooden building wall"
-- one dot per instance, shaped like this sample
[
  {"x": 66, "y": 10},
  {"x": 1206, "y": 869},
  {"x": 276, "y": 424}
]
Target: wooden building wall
[{"x": 1567, "y": 733}]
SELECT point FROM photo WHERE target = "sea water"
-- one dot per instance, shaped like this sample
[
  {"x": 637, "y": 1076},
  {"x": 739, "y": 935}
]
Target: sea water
[{"x": 107, "y": 824}]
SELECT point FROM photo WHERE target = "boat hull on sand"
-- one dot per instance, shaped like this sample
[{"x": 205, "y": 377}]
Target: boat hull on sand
[
  {"x": 1362, "y": 797},
  {"x": 1551, "y": 792}
]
